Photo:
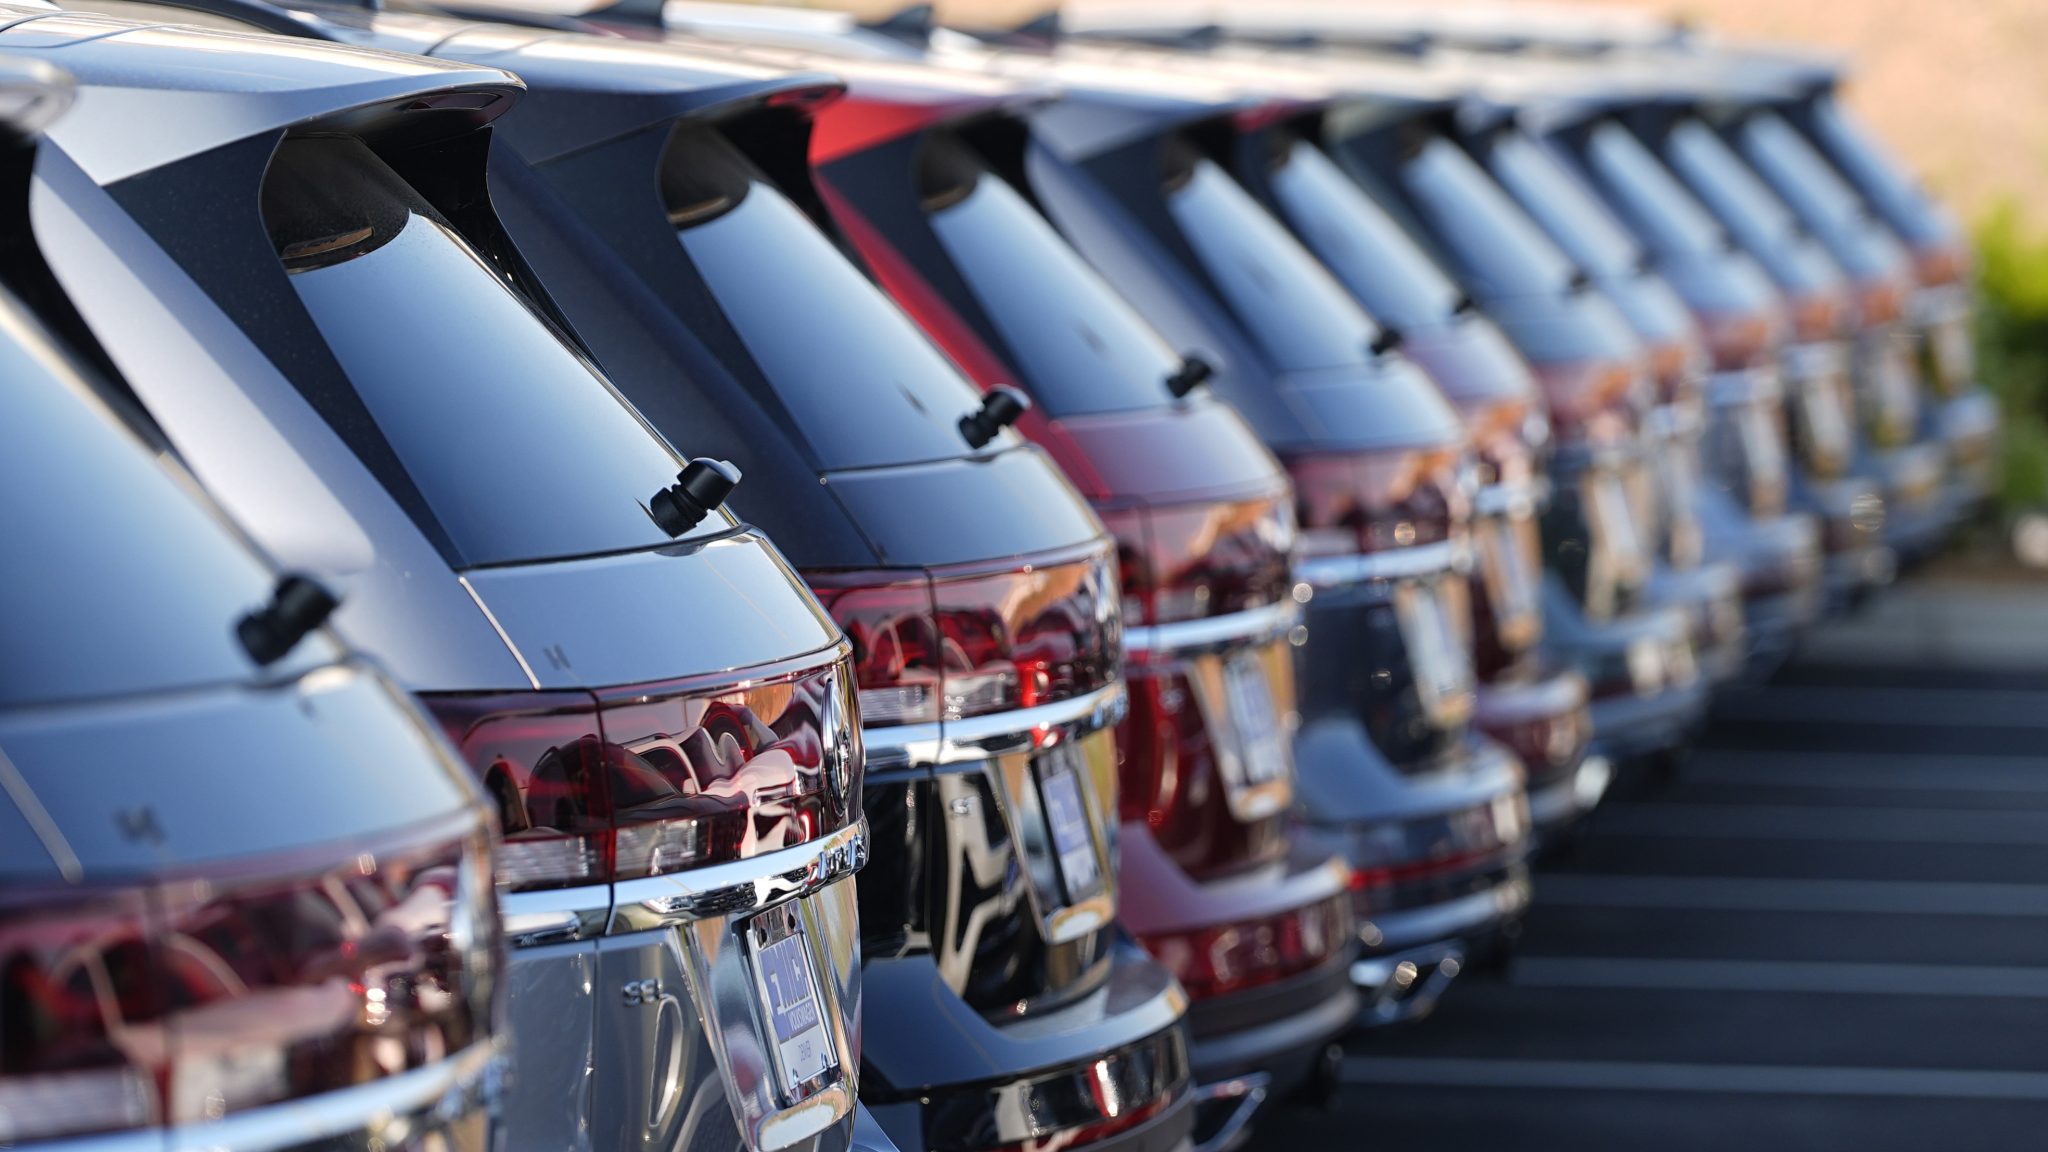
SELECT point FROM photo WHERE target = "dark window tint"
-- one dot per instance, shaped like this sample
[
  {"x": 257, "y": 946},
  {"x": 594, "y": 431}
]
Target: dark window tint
[
  {"x": 1799, "y": 173},
  {"x": 1079, "y": 344},
  {"x": 1382, "y": 265},
  {"x": 861, "y": 382},
  {"x": 1647, "y": 193},
  {"x": 1749, "y": 209},
  {"x": 1568, "y": 210},
  {"x": 1878, "y": 173},
  {"x": 1501, "y": 250},
  {"x": 113, "y": 578},
  {"x": 1300, "y": 315},
  {"x": 520, "y": 449}
]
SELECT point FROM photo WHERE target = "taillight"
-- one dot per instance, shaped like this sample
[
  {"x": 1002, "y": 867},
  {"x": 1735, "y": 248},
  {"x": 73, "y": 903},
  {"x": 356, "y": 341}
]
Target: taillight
[
  {"x": 81, "y": 991},
  {"x": 1820, "y": 315},
  {"x": 1940, "y": 264},
  {"x": 654, "y": 779},
  {"x": 252, "y": 984},
  {"x": 954, "y": 645},
  {"x": 1880, "y": 301},
  {"x": 1367, "y": 502},
  {"x": 1205, "y": 749},
  {"x": 1741, "y": 340},
  {"x": 1197, "y": 561},
  {"x": 1223, "y": 959},
  {"x": 539, "y": 758},
  {"x": 1676, "y": 367},
  {"x": 1592, "y": 402},
  {"x": 1507, "y": 437}
]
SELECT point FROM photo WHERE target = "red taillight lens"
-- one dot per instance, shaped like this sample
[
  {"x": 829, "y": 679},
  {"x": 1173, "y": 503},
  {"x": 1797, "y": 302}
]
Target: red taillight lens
[
  {"x": 705, "y": 775},
  {"x": 1593, "y": 402},
  {"x": 1740, "y": 340},
  {"x": 1204, "y": 560},
  {"x": 1676, "y": 368},
  {"x": 895, "y": 638},
  {"x": 81, "y": 1015},
  {"x": 1507, "y": 437},
  {"x": 1940, "y": 264},
  {"x": 1375, "y": 501},
  {"x": 658, "y": 778},
  {"x": 253, "y": 985},
  {"x": 1880, "y": 302},
  {"x": 1022, "y": 638},
  {"x": 539, "y": 757},
  {"x": 1819, "y": 316},
  {"x": 1229, "y": 958},
  {"x": 972, "y": 644}
]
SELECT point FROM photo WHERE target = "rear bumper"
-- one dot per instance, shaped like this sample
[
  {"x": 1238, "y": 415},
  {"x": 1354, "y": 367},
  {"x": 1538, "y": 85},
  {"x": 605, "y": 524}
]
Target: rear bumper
[
  {"x": 1560, "y": 803},
  {"x": 1279, "y": 1029},
  {"x": 1628, "y": 727},
  {"x": 1710, "y": 596}
]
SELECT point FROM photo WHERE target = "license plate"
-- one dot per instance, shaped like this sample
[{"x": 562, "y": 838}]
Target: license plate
[
  {"x": 1256, "y": 720},
  {"x": 1442, "y": 666},
  {"x": 789, "y": 999},
  {"x": 1066, "y": 815}
]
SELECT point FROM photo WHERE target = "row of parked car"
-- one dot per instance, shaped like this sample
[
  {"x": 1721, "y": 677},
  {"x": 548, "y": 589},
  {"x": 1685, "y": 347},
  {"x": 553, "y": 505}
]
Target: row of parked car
[{"x": 732, "y": 578}]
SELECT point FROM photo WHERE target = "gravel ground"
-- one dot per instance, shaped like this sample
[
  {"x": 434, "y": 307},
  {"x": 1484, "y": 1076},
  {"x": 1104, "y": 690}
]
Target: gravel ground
[{"x": 1828, "y": 931}]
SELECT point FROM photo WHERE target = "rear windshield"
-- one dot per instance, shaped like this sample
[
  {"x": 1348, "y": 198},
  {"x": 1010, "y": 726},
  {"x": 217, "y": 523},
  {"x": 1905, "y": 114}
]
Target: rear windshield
[
  {"x": 1749, "y": 209},
  {"x": 1560, "y": 201},
  {"x": 117, "y": 580},
  {"x": 1301, "y": 316},
  {"x": 1080, "y": 346},
  {"x": 1652, "y": 199},
  {"x": 1878, "y": 172},
  {"x": 1382, "y": 265},
  {"x": 519, "y": 448},
  {"x": 1799, "y": 173},
  {"x": 1501, "y": 250},
  {"x": 861, "y": 382}
]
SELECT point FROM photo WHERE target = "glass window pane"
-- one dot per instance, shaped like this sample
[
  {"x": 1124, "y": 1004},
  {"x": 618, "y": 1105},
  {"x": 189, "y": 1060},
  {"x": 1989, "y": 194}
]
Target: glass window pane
[
  {"x": 1301, "y": 316},
  {"x": 1569, "y": 211},
  {"x": 1651, "y": 197},
  {"x": 1501, "y": 250},
  {"x": 520, "y": 449},
  {"x": 1376, "y": 259},
  {"x": 1079, "y": 344}
]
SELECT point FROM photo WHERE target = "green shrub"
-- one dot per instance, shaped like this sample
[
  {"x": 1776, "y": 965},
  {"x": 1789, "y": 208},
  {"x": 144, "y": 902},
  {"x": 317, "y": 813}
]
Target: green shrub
[{"x": 2012, "y": 339}]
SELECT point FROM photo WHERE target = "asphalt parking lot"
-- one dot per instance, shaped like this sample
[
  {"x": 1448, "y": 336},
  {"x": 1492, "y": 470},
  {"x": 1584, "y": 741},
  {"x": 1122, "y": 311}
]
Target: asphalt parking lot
[{"x": 1828, "y": 931}]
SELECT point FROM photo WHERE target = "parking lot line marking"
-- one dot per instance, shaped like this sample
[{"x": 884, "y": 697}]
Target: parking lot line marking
[
  {"x": 1980, "y": 708},
  {"x": 1869, "y": 771},
  {"x": 1793, "y": 822},
  {"x": 1730, "y": 894},
  {"x": 1780, "y": 976},
  {"x": 1733, "y": 1079}
]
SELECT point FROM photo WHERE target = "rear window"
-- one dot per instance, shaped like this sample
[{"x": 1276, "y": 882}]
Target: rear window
[
  {"x": 1382, "y": 265},
  {"x": 1500, "y": 248},
  {"x": 117, "y": 580},
  {"x": 1750, "y": 209},
  {"x": 1878, "y": 173},
  {"x": 1798, "y": 172},
  {"x": 1300, "y": 315},
  {"x": 1646, "y": 192},
  {"x": 854, "y": 373},
  {"x": 1560, "y": 201},
  {"x": 1080, "y": 346},
  {"x": 519, "y": 448}
]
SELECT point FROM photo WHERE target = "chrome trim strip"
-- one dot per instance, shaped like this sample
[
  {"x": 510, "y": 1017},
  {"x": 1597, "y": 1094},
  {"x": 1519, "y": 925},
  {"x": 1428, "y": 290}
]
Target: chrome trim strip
[
  {"x": 39, "y": 821},
  {"x": 500, "y": 630},
  {"x": 555, "y": 915},
  {"x": 389, "y": 1113},
  {"x": 1398, "y": 564},
  {"x": 740, "y": 887},
  {"x": 1186, "y": 637},
  {"x": 976, "y": 738},
  {"x": 1745, "y": 386},
  {"x": 1515, "y": 500},
  {"x": 1815, "y": 358}
]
